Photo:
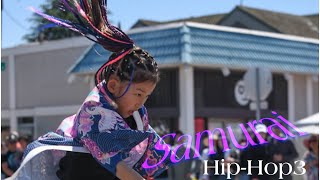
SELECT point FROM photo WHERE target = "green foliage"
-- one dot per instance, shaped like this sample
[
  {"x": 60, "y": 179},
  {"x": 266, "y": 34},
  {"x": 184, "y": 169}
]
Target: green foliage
[{"x": 53, "y": 8}]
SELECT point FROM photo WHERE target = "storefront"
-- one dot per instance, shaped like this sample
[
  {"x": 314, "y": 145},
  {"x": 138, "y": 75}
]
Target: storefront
[{"x": 201, "y": 64}]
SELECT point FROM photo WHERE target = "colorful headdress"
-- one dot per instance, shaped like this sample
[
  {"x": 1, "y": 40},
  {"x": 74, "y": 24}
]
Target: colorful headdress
[{"x": 93, "y": 24}]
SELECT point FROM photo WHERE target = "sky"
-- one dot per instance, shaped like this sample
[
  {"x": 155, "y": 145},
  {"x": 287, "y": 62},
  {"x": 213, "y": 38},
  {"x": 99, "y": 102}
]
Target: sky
[{"x": 16, "y": 16}]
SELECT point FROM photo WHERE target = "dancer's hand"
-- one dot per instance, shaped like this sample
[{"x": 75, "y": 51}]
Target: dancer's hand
[{"x": 126, "y": 173}]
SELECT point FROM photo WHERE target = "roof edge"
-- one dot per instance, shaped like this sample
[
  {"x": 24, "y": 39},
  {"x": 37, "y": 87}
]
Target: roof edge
[
  {"x": 156, "y": 27},
  {"x": 69, "y": 71},
  {"x": 253, "y": 32},
  {"x": 224, "y": 28},
  {"x": 47, "y": 46}
]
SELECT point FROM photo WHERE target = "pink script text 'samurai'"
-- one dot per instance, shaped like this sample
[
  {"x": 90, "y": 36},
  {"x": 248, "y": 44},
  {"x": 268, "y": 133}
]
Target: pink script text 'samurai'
[{"x": 166, "y": 148}]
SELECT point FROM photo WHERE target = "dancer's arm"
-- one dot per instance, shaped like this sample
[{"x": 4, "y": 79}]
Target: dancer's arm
[{"x": 125, "y": 172}]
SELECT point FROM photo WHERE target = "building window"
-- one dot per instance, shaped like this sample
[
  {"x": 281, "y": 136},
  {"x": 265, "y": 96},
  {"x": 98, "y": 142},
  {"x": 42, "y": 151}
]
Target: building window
[
  {"x": 26, "y": 126},
  {"x": 166, "y": 92},
  {"x": 212, "y": 89}
]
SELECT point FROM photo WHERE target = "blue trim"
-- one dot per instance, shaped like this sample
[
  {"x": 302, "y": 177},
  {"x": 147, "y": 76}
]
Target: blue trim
[{"x": 202, "y": 46}]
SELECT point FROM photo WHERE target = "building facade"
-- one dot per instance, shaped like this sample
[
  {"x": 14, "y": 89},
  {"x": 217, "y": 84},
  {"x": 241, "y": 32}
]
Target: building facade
[
  {"x": 35, "y": 91},
  {"x": 41, "y": 84}
]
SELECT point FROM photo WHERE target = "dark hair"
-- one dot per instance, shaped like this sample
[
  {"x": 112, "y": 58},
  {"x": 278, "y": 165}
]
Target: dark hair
[
  {"x": 178, "y": 132},
  {"x": 137, "y": 66},
  {"x": 127, "y": 61},
  {"x": 25, "y": 138}
]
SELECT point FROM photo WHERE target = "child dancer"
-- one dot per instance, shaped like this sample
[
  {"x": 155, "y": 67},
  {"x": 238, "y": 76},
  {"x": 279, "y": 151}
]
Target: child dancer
[{"x": 112, "y": 123}]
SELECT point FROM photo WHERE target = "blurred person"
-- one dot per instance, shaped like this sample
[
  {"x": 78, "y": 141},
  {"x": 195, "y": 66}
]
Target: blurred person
[
  {"x": 243, "y": 161},
  {"x": 24, "y": 140},
  {"x": 11, "y": 161},
  {"x": 281, "y": 152},
  {"x": 183, "y": 170},
  {"x": 311, "y": 157},
  {"x": 15, "y": 133},
  {"x": 218, "y": 156},
  {"x": 231, "y": 156},
  {"x": 205, "y": 150},
  {"x": 204, "y": 156},
  {"x": 4, "y": 148},
  {"x": 259, "y": 152},
  {"x": 4, "y": 151}
]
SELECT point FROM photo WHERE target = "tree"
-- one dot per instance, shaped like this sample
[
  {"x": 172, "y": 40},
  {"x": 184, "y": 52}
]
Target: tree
[{"x": 40, "y": 33}]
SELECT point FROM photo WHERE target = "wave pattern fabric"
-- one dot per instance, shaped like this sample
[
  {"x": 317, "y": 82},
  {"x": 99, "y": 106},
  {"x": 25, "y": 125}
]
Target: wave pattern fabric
[{"x": 99, "y": 130}]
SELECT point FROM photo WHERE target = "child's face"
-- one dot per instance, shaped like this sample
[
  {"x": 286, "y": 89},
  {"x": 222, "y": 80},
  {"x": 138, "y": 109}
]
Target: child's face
[{"x": 134, "y": 98}]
